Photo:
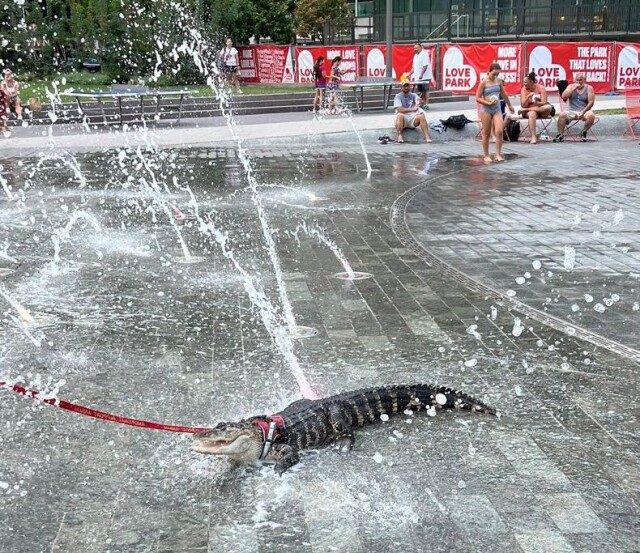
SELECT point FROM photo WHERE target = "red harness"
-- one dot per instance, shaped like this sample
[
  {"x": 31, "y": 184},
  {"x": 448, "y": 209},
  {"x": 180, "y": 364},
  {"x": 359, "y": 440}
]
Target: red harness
[{"x": 271, "y": 430}]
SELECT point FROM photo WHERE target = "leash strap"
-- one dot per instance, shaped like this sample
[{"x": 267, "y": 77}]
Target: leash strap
[
  {"x": 268, "y": 441},
  {"x": 94, "y": 413}
]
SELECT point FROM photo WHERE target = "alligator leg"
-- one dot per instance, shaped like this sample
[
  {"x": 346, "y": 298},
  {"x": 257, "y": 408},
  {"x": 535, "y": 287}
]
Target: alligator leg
[
  {"x": 342, "y": 428},
  {"x": 284, "y": 456}
]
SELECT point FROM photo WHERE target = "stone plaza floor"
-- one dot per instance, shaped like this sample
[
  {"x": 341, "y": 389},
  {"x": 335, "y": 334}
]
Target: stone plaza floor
[{"x": 518, "y": 283}]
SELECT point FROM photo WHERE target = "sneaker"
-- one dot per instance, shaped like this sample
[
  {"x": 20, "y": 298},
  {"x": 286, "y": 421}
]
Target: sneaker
[
  {"x": 583, "y": 136},
  {"x": 559, "y": 138},
  {"x": 384, "y": 139}
]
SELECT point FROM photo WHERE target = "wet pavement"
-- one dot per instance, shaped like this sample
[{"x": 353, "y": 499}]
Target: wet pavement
[{"x": 515, "y": 282}]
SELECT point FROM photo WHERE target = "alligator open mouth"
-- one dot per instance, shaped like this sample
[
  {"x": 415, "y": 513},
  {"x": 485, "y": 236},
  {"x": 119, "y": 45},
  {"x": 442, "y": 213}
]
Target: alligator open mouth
[{"x": 209, "y": 446}]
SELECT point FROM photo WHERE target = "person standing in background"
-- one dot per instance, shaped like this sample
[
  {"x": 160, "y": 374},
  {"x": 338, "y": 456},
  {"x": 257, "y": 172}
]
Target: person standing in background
[
  {"x": 230, "y": 63},
  {"x": 333, "y": 84},
  {"x": 12, "y": 93},
  {"x": 320, "y": 83},
  {"x": 421, "y": 73}
]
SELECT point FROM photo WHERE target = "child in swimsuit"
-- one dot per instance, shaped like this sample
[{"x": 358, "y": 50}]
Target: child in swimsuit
[{"x": 490, "y": 91}]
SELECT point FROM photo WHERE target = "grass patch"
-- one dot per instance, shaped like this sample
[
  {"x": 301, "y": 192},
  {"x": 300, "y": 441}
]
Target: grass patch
[
  {"x": 100, "y": 82},
  {"x": 613, "y": 111}
]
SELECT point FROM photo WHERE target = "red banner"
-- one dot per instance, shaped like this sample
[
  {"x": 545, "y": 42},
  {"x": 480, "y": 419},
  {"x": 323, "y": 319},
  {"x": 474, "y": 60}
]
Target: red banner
[
  {"x": 464, "y": 66},
  {"x": 265, "y": 64},
  {"x": 376, "y": 60},
  {"x": 627, "y": 65},
  {"x": 248, "y": 65},
  {"x": 554, "y": 61},
  {"x": 306, "y": 57}
]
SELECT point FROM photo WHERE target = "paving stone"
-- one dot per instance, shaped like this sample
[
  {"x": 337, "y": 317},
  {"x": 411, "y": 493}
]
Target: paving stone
[{"x": 557, "y": 473}]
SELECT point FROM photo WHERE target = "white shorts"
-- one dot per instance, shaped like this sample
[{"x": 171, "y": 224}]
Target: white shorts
[{"x": 410, "y": 119}]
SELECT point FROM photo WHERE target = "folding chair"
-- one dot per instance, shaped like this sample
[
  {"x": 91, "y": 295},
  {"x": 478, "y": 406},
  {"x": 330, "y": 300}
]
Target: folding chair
[
  {"x": 478, "y": 121},
  {"x": 526, "y": 132},
  {"x": 571, "y": 131},
  {"x": 632, "y": 101}
]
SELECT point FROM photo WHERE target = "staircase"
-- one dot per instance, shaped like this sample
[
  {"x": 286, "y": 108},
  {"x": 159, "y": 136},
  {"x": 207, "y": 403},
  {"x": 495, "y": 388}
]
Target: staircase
[{"x": 199, "y": 106}]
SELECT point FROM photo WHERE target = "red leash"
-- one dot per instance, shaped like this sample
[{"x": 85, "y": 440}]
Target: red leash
[{"x": 34, "y": 394}]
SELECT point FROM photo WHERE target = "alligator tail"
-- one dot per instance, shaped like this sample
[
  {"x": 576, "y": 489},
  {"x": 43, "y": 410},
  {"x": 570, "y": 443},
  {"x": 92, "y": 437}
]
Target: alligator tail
[
  {"x": 456, "y": 399},
  {"x": 426, "y": 396}
]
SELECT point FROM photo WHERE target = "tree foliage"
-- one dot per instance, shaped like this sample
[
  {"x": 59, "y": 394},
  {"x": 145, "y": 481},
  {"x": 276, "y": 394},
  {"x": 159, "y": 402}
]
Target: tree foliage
[
  {"x": 311, "y": 16},
  {"x": 144, "y": 37}
]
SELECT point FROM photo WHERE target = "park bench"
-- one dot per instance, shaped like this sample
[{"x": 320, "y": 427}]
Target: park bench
[
  {"x": 359, "y": 86},
  {"x": 120, "y": 92}
]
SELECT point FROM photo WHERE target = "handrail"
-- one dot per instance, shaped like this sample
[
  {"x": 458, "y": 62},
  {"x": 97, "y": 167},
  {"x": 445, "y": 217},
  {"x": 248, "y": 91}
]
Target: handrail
[
  {"x": 456, "y": 22},
  {"x": 435, "y": 30}
]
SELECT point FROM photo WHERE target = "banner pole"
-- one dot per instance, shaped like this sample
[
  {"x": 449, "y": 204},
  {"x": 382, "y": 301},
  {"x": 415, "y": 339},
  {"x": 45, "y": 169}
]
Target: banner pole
[{"x": 389, "y": 37}]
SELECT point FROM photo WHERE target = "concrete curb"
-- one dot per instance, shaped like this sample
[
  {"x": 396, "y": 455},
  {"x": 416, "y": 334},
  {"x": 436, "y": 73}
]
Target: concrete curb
[{"x": 609, "y": 126}]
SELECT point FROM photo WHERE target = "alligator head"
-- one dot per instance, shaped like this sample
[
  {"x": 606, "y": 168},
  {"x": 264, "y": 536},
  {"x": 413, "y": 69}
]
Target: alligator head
[{"x": 241, "y": 441}]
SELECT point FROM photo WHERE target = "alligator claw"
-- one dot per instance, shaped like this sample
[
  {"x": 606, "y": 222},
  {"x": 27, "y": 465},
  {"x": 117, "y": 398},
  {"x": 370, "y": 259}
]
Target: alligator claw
[{"x": 343, "y": 445}]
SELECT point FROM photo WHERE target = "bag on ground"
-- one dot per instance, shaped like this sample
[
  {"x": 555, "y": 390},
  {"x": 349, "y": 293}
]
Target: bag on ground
[
  {"x": 512, "y": 131},
  {"x": 455, "y": 122}
]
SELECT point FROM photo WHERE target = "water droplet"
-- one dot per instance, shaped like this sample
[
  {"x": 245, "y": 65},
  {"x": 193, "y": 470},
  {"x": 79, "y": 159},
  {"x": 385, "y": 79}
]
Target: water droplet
[
  {"x": 517, "y": 327},
  {"x": 617, "y": 218},
  {"x": 569, "y": 258}
]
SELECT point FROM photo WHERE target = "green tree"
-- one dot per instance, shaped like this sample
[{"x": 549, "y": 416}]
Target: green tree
[
  {"x": 311, "y": 16},
  {"x": 273, "y": 19}
]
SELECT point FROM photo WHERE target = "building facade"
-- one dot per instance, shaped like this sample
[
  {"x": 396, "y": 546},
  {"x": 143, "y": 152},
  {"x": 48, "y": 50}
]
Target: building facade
[{"x": 460, "y": 20}]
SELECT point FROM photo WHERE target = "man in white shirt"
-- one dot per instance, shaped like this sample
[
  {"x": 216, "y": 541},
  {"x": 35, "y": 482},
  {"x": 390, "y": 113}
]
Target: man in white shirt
[
  {"x": 422, "y": 72},
  {"x": 408, "y": 113}
]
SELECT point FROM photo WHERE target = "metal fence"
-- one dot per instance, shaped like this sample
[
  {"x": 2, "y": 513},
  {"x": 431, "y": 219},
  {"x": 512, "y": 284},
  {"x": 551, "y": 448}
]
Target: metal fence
[{"x": 520, "y": 21}]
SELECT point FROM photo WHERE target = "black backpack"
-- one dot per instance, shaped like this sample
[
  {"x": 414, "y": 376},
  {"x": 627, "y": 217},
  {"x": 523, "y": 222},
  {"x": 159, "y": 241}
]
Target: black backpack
[
  {"x": 455, "y": 122},
  {"x": 511, "y": 130}
]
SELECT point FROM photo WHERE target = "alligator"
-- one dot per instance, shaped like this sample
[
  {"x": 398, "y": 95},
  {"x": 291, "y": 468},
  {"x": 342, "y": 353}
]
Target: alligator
[{"x": 309, "y": 423}]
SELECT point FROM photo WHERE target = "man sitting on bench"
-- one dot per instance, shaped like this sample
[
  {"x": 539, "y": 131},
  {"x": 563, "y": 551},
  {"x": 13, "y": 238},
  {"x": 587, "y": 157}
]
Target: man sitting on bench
[{"x": 408, "y": 113}]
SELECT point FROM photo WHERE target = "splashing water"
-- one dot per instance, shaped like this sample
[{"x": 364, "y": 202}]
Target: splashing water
[
  {"x": 67, "y": 159},
  {"x": 5, "y": 185},
  {"x": 324, "y": 239},
  {"x": 23, "y": 313},
  {"x": 61, "y": 236}
]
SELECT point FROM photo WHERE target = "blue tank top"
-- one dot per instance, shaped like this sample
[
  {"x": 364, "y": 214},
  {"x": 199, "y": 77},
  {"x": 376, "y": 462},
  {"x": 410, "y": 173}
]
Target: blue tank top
[
  {"x": 579, "y": 101},
  {"x": 491, "y": 90}
]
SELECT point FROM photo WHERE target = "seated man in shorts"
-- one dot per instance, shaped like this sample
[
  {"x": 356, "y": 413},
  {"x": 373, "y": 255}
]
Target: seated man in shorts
[
  {"x": 408, "y": 113},
  {"x": 581, "y": 99}
]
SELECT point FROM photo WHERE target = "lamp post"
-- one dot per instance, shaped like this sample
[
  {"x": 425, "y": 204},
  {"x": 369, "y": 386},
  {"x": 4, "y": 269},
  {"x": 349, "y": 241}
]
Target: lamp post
[{"x": 389, "y": 33}]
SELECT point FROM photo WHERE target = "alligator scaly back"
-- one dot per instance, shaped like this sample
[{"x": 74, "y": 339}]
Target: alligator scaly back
[
  {"x": 329, "y": 421},
  {"x": 366, "y": 405}
]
